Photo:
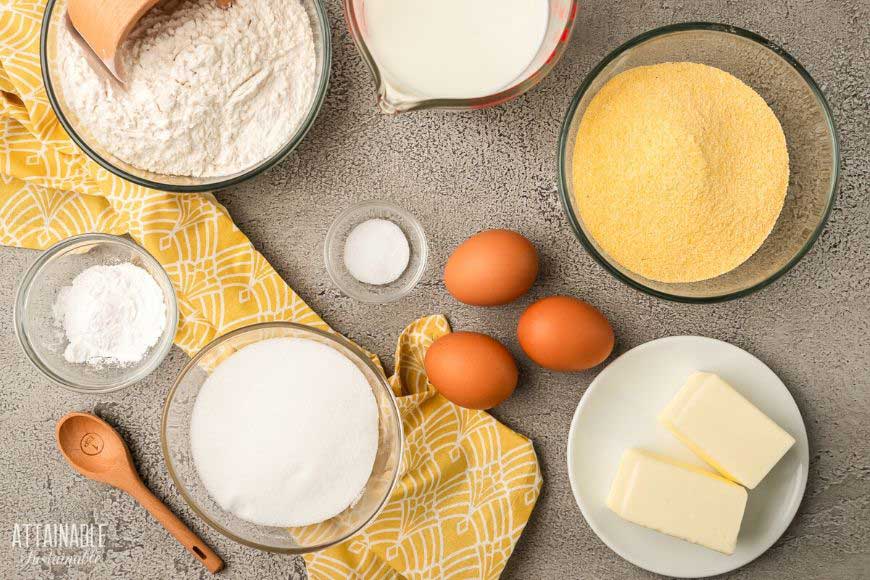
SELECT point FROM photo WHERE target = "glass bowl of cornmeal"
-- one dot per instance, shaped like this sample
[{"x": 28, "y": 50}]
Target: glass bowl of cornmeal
[
  {"x": 283, "y": 437},
  {"x": 698, "y": 162}
]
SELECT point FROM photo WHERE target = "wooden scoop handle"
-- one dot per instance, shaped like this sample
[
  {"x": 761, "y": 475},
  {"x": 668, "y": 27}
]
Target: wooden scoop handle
[{"x": 177, "y": 528}]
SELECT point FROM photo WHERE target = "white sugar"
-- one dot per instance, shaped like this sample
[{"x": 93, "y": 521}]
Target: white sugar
[
  {"x": 285, "y": 432},
  {"x": 376, "y": 252}
]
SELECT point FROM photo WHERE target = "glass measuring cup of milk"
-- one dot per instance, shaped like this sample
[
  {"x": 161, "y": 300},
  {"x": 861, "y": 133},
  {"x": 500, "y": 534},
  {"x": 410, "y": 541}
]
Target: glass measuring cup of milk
[{"x": 456, "y": 54}]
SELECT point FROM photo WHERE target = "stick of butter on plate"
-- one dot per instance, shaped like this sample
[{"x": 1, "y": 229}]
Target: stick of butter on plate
[
  {"x": 678, "y": 499},
  {"x": 725, "y": 430}
]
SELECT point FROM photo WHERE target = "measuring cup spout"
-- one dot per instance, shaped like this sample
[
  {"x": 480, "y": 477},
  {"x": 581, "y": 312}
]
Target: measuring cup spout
[{"x": 393, "y": 101}]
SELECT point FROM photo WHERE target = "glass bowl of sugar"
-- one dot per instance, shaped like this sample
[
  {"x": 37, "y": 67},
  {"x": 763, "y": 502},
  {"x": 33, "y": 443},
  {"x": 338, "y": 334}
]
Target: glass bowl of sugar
[
  {"x": 375, "y": 252},
  {"x": 96, "y": 313},
  {"x": 283, "y": 437}
]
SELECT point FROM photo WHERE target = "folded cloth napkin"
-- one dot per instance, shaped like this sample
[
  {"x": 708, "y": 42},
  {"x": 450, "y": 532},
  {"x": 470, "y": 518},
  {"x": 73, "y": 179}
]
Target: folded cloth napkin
[{"x": 468, "y": 484}]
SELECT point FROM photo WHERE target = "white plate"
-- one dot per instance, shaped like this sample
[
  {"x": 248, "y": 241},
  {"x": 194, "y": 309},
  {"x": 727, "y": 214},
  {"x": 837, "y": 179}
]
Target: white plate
[{"x": 619, "y": 410}]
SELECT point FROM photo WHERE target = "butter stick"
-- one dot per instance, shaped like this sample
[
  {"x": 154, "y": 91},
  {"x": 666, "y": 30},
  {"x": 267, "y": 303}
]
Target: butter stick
[
  {"x": 725, "y": 430},
  {"x": 678, "y": 499}
]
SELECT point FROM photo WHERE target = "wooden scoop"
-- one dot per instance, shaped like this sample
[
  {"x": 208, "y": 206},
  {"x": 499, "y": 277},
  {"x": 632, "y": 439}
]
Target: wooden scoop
[
  {"x": 98, "y": 452},
  {"x": 105, "y": 24}
]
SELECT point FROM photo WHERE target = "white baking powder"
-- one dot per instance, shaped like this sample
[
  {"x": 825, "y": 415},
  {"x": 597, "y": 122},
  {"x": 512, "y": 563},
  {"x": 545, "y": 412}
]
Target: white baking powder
[
  {"x": 110, "y": 315},
  {"x": 209, "y": 91},
  {"x": 376, "y": 252},
  {"x": 284, "y": 432}
]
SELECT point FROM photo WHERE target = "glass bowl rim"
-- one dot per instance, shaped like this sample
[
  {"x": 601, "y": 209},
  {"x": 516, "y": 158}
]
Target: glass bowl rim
[
  {"x": 565, "y": 193},
  {"x": 329, "y": 336},
  {"x": 264, "y": 165},
  {"x": 24, "y": 287},
  {"x": 330, "y": 240},
  {"x": 492, "y": 100}
]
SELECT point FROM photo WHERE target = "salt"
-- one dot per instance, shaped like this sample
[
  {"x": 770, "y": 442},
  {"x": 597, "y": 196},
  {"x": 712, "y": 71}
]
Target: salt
[
  {"x": 377, "y": 252},
  {"x": 111, "y": 314},
  {"x": 284, "y": 432}
]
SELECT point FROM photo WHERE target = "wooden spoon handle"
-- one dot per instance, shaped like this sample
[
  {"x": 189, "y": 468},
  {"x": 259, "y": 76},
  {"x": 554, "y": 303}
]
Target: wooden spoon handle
[{"x": 177, "y": 528}]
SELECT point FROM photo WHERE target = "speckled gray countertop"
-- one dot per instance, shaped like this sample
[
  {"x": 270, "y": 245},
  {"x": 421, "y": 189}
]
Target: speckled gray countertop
[{"x": 460, "y": 173}]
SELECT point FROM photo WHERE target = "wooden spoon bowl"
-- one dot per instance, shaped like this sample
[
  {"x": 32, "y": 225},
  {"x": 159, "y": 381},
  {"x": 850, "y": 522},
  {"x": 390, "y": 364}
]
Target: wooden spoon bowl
[{"x": 82, "y": 440}]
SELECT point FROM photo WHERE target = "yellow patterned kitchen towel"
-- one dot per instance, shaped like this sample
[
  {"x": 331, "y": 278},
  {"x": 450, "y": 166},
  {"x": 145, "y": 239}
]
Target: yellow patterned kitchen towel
[
  {"x": 466, "y": 490},
  {"x": 468, "y": 483}
]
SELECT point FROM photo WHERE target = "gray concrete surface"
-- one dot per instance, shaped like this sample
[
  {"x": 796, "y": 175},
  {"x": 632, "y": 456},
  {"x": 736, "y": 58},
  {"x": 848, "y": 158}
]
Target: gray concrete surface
[{"x": 460, "y": 173}]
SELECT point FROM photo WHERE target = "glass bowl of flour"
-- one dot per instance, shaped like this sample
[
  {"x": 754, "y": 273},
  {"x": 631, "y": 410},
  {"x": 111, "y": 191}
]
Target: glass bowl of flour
[
  {"x": 96, "y": 313},
  {"x": 211, "y": 97},
  {"x": 283, "y": 437}
]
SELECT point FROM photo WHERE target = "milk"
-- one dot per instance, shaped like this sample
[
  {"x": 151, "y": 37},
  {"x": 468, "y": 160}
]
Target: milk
[{"x": 454, "y": 48}]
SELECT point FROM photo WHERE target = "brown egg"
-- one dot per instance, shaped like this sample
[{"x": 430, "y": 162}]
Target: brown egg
[
  {"x": 565, "y": 334},
  {"x": 491, "y": 268},
  {"x": 472, "y": 370}
]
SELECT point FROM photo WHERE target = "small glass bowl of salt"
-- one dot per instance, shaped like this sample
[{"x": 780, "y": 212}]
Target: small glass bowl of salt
[
  {"x": 96, "y": 313},
  {"x": 375, "y": 252}
]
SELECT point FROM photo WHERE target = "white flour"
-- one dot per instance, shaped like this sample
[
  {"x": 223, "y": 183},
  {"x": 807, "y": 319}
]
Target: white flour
[
  {"x": 111, "y": 315},
  {"x": 285, "y": 432},
  {"x": 209, "y": 92}
]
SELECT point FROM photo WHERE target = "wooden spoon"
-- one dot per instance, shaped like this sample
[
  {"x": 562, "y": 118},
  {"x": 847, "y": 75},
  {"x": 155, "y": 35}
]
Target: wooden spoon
[
  {"x": 98, "y": 452},
  {"x": 105, "y": 24}
]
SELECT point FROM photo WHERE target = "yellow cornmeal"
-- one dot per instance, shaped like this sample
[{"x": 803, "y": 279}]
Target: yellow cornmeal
[{"x": 680, "y": 171}]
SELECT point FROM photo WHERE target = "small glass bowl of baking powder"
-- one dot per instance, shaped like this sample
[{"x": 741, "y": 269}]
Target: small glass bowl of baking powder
[
  {"x": 44, "y": 339},
  {"x": 375, "y": 252}
]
